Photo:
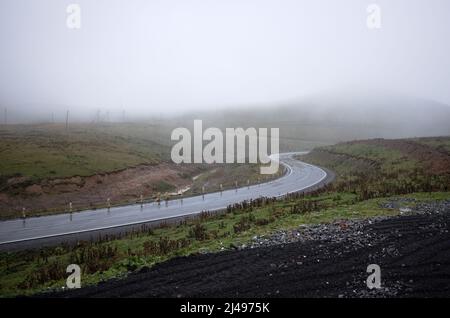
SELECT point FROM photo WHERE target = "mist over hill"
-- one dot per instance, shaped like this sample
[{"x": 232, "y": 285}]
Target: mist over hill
[
  {"x": 305, "y": 123},
  {"x": 330, "y": 118}
]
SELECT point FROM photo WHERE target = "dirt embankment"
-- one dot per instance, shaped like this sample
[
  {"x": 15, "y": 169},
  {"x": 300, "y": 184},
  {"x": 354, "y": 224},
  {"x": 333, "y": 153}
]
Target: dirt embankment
[{"x": 93, "y": 191}]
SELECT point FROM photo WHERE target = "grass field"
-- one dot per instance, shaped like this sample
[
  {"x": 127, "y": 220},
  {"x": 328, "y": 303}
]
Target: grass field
[
  {"x": 369, "y": 173},
  {"x": 379, "y": 167},
  {"x": 226, "y": 175},
  {"x": 42, "y": 151},
  {"x": 51, "y": 151},
  {"x": 44, "y": 167},
  {"x": 438, "y": 143}
]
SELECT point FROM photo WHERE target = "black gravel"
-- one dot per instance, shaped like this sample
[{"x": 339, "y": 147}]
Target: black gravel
[{"x": 413, "y": 251}]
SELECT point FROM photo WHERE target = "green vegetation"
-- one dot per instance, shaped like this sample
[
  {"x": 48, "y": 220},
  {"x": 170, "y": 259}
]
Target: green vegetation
[
  {"x": 438, "y": 143},
  {"x": 49, "y": 151},
  {"x": 162, "y": 186},
  {"x": 29, "y": 272},
  {"x": 369, "y": 173},
  {"x": 227, "y": 175},
  {"x": 380, "y": 168},
  {"x": 44, "y": 167}
]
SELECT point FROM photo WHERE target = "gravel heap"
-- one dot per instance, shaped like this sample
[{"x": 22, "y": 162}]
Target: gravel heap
[
  {"x": 356, "y": 231},
  {"x": 360, "y": 234}
]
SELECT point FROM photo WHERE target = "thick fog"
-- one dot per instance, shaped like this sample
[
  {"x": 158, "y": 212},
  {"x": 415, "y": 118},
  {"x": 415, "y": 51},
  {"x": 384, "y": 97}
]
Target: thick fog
[{"x": 140, "y": 57}]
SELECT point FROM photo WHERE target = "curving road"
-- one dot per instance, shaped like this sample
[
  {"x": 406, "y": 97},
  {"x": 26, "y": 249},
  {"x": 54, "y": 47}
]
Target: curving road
[{"x": 299, "y": 177}]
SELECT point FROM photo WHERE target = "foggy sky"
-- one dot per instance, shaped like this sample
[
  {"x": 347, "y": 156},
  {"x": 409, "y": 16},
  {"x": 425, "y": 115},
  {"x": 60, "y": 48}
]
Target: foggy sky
[{"x": 173, "y": 55}]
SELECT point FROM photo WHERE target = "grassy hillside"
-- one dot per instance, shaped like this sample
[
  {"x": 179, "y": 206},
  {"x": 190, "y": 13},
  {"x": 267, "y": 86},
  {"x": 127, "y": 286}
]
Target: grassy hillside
[
  {"x": 51, "y": 151},
  {"x": 441, "y": 144},
  {"x": 382, "y": 167},
  {"x": 369, "y": 174},
  {"x": 44, "y": 167}
]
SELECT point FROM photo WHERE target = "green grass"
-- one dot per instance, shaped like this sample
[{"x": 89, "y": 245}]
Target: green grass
[
  {"x": 16, "y": 267},
  {"x": 49, "y": 151},
  {"x": 227, "y": 175},
  {"x": 367, "y": 175},
  {"x": 389, "y": 160},
  {"x": 438, "y": 143},
  {"x": 375, "y": 170},
  {"x": 32, "y": 154}
]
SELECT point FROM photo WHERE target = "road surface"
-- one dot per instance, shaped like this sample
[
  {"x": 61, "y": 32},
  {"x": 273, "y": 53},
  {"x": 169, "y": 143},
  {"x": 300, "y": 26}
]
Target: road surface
[{"x": 300, "y": 176}]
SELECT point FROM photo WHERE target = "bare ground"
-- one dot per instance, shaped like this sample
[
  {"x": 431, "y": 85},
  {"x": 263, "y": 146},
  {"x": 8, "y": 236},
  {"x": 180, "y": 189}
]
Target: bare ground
[
  {"x": 88, "y": 192},
  {"x": 125, "y": 186}
]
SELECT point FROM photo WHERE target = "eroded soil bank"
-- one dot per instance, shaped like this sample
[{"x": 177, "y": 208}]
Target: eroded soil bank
[
  {"x": 93, "y": 191},
  {"x": 164, "y": 180}
]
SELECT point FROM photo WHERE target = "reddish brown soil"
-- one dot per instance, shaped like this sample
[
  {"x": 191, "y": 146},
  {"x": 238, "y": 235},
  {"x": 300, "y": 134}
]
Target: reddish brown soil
[{"x": 84, "y": 192}]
